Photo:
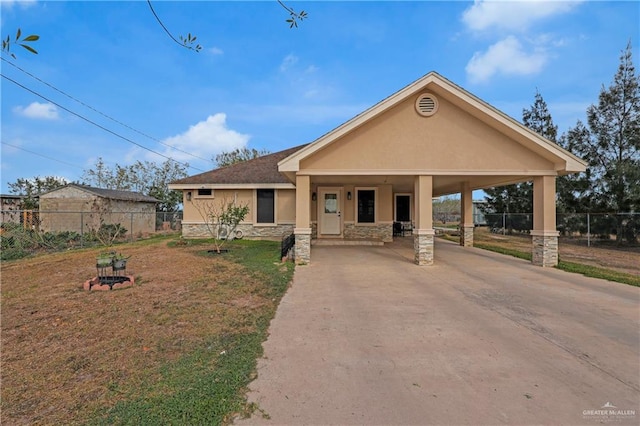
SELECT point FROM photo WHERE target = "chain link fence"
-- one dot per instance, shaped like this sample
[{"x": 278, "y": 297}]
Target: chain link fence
[
  {"x": 26, "y": 231},
  {"x": 592, "y": 228}
]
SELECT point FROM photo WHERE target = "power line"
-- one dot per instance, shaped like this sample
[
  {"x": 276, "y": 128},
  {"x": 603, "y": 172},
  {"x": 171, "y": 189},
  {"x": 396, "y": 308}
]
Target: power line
[
  {"x": 41, "y": 155},
  {"x": 101, "y": 113},
  {"x": 98, "y": 125}
]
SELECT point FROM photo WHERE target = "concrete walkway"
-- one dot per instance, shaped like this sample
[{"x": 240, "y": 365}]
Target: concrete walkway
[{"x": 366, "y": 337}]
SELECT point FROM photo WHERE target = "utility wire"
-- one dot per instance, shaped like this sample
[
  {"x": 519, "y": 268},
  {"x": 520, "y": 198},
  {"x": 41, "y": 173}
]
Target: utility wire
[
  {"x": 41, "y": 155},
  {"x": 101, "y": 113},
  {"x": 96, "y": 124}
]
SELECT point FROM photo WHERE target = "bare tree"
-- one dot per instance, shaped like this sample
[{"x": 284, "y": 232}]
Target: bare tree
[{"x": 221, "y": 218}]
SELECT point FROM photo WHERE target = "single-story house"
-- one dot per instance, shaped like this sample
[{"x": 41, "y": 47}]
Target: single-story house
[
  {"x": 429, "y": 139},
  {"x": 81, "y": 208}
]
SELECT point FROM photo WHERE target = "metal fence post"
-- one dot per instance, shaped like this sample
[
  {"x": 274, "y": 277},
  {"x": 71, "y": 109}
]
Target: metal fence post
[
  {"x": 131, "y": 235},
  {"x": 81, "y": 229},
  {"x": 588, "y": 230},
  {"x": 504, "y": 223}
]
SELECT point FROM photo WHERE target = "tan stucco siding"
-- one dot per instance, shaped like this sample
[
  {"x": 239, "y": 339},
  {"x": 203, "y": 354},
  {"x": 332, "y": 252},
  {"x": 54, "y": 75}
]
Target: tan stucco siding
[
  {"x": 195, "y": 209},
  {"x": 385, "y": 203},
  {"x": 401, "y": 139},
  {"x": 286, "y": 205}
]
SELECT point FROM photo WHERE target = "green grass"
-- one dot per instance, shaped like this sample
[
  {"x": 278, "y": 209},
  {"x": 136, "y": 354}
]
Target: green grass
[
  {"x": 597, "y": 272},
  {"x": 208, "y": 385},
  {"x": 578, "y": 268},
  {"x": 449, "y": 238},
  {"x": 503, "y": 250},
  {"x": 205, "y": 387}
]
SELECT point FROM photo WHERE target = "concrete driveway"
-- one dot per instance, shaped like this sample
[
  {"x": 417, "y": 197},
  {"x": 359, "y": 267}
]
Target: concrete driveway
[{"x": 366, "y": 337}]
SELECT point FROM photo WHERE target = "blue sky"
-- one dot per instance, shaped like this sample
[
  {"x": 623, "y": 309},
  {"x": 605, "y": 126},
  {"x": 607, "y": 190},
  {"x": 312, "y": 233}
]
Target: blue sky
[{"x": 259, "y": 84}]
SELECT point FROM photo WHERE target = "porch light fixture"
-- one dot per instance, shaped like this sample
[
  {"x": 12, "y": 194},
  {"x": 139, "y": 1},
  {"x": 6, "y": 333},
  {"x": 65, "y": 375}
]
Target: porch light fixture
[
  {"x": 189, "y": 196},
  {"x": 349, "y": 195},
  {"x": 314, "y": 197}
]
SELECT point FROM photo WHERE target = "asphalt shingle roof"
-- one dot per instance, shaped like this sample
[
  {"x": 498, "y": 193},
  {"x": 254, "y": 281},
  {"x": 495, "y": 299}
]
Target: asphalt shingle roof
[
  {"x": 259, "y": 170},
  {"x": 112, "y": 194}
]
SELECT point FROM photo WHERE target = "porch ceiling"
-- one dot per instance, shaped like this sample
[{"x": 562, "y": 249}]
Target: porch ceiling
[{"x": 442, "y": 184}]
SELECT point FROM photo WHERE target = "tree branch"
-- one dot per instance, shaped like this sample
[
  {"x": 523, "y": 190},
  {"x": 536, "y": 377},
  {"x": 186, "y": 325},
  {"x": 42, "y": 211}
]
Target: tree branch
[
  {"x": 294, "y": 16},
  {"x": 184, "y": 42}
]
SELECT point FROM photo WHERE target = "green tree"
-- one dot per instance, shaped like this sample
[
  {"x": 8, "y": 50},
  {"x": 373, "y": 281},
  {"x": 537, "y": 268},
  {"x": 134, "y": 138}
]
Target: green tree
[
  {"x": 518, "y": 198},
  {"x": 238, "y": 155},
  {"x": 31, "y": 188},
  {"x": 574, "y": 190},
  {"x": 613, "y": 145}
]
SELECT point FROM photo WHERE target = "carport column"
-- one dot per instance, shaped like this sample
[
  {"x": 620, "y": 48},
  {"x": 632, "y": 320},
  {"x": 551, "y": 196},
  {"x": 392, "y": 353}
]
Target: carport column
[
  {"x": 302, "y": 231},
  {"x": 466, "y": 219},
  {"x": 544, "y": 236},
  {"x": 423, "y": 234}
]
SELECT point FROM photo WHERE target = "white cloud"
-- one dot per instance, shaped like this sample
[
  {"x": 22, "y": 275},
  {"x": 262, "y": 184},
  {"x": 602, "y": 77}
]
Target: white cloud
[
  {"x": 512, "y": 15},
  {"x": 205, "y": 139},
  {"x": 38, "y": 111},
  {"x": 22, "y": 3},
  {"x": 506, "y": 57},
  {"x": 215, "y": 51},
  {"x": 289, "y": 61}
]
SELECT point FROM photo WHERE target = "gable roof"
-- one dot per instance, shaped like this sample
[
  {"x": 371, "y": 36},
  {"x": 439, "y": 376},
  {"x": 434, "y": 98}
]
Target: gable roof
[
  {"x": 112, "y": 194},
  {"x": 261, "y": 170},
  {"x": 464, "y": 100}
]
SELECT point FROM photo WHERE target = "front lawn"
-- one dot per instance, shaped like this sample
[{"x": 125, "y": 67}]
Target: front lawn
[{"x": 179, "y": 347}]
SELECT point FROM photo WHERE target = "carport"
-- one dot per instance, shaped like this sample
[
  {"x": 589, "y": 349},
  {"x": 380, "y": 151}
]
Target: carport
[{"x": 431, "y": 138}]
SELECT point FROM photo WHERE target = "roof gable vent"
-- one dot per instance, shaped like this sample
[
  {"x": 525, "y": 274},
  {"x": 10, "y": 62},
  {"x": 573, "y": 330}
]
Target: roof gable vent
[{"x": 426, "y": 104}]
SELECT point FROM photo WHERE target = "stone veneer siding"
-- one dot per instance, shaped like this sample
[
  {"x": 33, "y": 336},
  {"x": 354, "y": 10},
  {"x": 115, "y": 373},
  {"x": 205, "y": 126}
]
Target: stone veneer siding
[
  {"x": 199, "y": 230},
  {"x": 302, "y": 249},
  {"x": 466, "y": 236},
  {"x": 423, "y": 247},
  {"x": 382, "y": 232},
  {"x": 545, "y": 250}
]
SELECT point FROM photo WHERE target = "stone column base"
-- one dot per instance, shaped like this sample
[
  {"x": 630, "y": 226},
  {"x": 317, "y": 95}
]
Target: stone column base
[
  {"x": 466, "y": 235},
  {"x": 544, "y": 248},
  {"x": 302, "y": 247},
  {"x": 423, "y": 246}
]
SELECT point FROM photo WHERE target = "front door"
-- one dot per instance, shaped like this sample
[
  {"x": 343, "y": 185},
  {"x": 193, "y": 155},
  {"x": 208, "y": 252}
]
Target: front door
[{"x": 330, "y": 212}]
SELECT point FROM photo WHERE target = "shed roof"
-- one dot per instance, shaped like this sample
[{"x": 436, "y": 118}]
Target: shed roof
[{"x": 113, "y": 194}]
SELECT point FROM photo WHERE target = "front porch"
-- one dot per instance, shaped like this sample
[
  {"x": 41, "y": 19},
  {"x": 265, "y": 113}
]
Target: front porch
[{"x": 363, "y": 210}]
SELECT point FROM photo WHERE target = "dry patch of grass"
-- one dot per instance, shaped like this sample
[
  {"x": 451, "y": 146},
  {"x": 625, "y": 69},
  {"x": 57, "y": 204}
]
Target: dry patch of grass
[{"x": 70, "y": 356}]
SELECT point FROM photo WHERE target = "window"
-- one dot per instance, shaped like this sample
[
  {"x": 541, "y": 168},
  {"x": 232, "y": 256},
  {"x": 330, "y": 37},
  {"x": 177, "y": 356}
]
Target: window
[
  {"x": 204, "y": 192},
  {"x": 366, "y": 206},
  {"x": 331, "y": 203},
  {"x": 403, "y": 208},
  {"x": 265, "y": 208}
]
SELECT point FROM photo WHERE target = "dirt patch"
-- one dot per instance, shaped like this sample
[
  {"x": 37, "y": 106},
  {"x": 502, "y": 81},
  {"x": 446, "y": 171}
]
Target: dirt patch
[
  {"x": 67, "y": 352},
  {"x": 622, "y": 259}
]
